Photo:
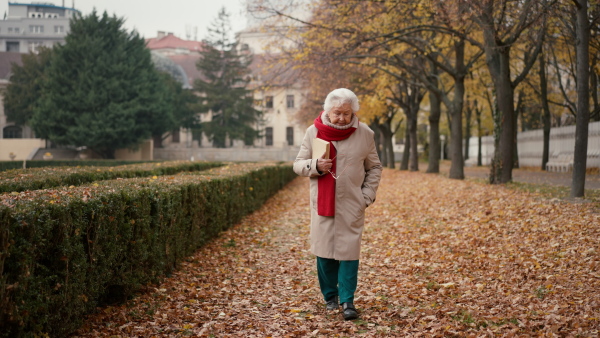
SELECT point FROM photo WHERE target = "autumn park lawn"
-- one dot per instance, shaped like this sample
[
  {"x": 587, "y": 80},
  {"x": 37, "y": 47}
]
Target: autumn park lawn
[{"x": 440, "y": 258}]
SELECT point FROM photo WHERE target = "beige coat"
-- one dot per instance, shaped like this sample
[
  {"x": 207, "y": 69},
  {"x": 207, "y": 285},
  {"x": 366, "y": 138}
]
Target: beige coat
[{"x": 339, "y": 237}]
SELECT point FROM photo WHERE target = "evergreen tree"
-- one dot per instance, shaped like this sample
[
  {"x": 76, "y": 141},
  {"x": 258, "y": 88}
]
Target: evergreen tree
[
  {"x": 183, "y": 103},
  {"x": 223, "y": 87},
  {"x": 101, "y": 89},
  {"x": 24, "y": 88}
]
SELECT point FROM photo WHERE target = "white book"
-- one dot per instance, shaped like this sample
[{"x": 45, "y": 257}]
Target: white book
[{"x": 320, "y": 147}]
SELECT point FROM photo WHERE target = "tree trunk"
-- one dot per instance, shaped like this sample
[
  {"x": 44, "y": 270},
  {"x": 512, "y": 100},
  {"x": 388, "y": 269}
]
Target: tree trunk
[
  {"x": 468, "y": 113},
  {"x": 499, "y": 65},
  {"x": 157, "y": 141},
  {"x": 546, "y": 107},
  {"x": 107, "y": 154},
  {"x": 386, "y": 140},
  {"x": 583, "y": 100},
  {"x": 518, "y": 110},
  {"x": 390, "y": 149},
  {"x": 406, "y": 151},
  {"x": 594, "y": 90},
  {"x": 479, "y": 131},
  {"x": 457, "y": 164},
  {"x": 434, "y": 134},
  {"x": 375, "y": 127},
  {"x": 382, "y": 145},
  {"x": 594, "y": 84},
  {"x": 414, "y": 154}
]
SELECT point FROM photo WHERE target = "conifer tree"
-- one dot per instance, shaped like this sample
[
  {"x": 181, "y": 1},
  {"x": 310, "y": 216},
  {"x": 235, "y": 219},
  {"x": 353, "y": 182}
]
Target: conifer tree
[
  {"x": 183, "y": 103},
  {"x": 101, "y": 89},
  {"x": 24, "y": 88},
  {"x": 226, "y": 75}
]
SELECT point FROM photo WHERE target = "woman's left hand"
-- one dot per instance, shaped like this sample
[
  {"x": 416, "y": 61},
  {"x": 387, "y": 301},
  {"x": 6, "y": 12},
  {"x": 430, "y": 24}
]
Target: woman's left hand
[{"x": 324, "y": 164}]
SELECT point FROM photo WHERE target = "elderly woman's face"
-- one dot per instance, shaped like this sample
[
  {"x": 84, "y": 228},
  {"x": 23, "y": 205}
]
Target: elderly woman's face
[{"x": 341, "y": 115}]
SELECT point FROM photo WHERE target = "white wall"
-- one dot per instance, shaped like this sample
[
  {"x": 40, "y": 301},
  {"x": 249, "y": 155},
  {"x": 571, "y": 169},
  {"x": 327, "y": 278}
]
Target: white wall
[
  {"x": 21, "y": 147},
  {"x": 531, "y": 144}
]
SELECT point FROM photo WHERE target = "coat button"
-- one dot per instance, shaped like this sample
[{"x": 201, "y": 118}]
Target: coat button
[{"x": 308, "y": 166}]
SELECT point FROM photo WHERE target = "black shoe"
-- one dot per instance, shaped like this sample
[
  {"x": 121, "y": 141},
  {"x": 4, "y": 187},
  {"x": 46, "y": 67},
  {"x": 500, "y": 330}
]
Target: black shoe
[
  {"x": 333, "y": 303},
  {"x": 349, "y": 311}
]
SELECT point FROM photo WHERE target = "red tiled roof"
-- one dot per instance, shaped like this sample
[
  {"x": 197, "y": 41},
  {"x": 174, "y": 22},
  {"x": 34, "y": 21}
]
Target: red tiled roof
[{"x": 170, "y": 41}]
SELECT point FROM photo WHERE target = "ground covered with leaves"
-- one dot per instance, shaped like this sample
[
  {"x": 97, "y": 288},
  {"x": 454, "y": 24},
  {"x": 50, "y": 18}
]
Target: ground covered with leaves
[{"x": 440, "y": 258}]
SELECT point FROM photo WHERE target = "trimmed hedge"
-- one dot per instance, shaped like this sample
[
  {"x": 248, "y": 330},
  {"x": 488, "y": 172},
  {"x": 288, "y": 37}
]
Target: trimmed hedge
[
  {"x": 65, "y": 251},
  {"x": 44, "y": 178},
  {"x": 6, "y": 165}
]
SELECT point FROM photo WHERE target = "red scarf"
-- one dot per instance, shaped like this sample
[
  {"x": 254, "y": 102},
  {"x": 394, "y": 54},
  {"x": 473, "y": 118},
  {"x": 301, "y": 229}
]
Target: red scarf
[{"x": 326, "y": 187}]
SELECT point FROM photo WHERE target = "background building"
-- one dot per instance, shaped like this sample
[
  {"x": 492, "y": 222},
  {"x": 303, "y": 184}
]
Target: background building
[
  {"x": 24, "y": 29},
  {"x": 27, "y": 27}
]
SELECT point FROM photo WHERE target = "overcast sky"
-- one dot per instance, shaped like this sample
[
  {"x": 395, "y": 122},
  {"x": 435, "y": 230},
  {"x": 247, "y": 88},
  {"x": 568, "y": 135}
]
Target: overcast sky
[{"x": 150, "y": 16}]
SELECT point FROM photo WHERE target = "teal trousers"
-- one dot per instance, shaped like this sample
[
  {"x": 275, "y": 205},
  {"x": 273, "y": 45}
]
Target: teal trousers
[{"x": 337, "y": 278}]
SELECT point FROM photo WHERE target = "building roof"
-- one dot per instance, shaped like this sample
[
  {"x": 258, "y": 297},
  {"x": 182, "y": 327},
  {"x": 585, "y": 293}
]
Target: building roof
[
  {"x": 170, "y": 41},
  {"x": 49, "y": 5},
  {"x": 6, "y": 61}
]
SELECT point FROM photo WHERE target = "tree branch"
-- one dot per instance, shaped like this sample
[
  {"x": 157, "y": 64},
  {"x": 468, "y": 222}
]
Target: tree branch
[{"x": 532, "y": 58}]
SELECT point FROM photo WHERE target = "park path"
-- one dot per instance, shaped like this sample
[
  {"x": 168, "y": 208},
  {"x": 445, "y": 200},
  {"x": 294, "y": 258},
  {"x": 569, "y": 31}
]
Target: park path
[{"x": 440, "y": 258}]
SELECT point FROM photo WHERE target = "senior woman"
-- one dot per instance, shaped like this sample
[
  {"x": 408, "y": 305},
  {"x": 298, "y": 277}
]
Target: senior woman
[{"x": 341, "y": 188}]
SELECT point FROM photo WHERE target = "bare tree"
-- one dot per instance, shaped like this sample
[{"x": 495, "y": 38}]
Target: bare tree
[
  {"x": 505, "y": 23},
  {"x": 583, "y": 98}
]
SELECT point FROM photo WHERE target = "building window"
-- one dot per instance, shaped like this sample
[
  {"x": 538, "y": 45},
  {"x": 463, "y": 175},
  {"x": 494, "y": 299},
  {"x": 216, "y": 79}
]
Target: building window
[
  {"x": 269, "y": 101},
  {"x": 59, "y": 29},
  {"x": 290, "y": 101},
  {"x": 10, "y": 29},
  {"x": 269, "y": 136},
  {"x": 289, "y": 135},
  {"x": 13, "y": 46},
  {"x": 36, "y": 29},
  {"x": 258, "y": 103},
  {"x": 13, "y": 132}
]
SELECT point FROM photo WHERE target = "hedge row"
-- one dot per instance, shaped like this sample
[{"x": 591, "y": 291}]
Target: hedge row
[
  {"x": 65, "y": 251},
  {"x": 6, "y": 165},
  {"x": 44, "y": 178}
]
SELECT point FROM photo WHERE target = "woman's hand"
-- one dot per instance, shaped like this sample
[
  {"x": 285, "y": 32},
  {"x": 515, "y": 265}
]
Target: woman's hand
[{"x": 323, "y": 165}]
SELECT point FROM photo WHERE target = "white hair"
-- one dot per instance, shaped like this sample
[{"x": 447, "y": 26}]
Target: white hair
[{"x": 340, "y": 97}]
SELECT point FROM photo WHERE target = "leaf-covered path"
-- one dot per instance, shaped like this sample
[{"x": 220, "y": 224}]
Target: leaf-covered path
[{"x": 440, "y": 258}]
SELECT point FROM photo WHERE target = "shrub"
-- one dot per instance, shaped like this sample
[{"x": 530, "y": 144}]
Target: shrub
[
  {"x": 64, "y": 251},
  {"x": 44, "y": 178},
  {"x": 6, "y": 165}
]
